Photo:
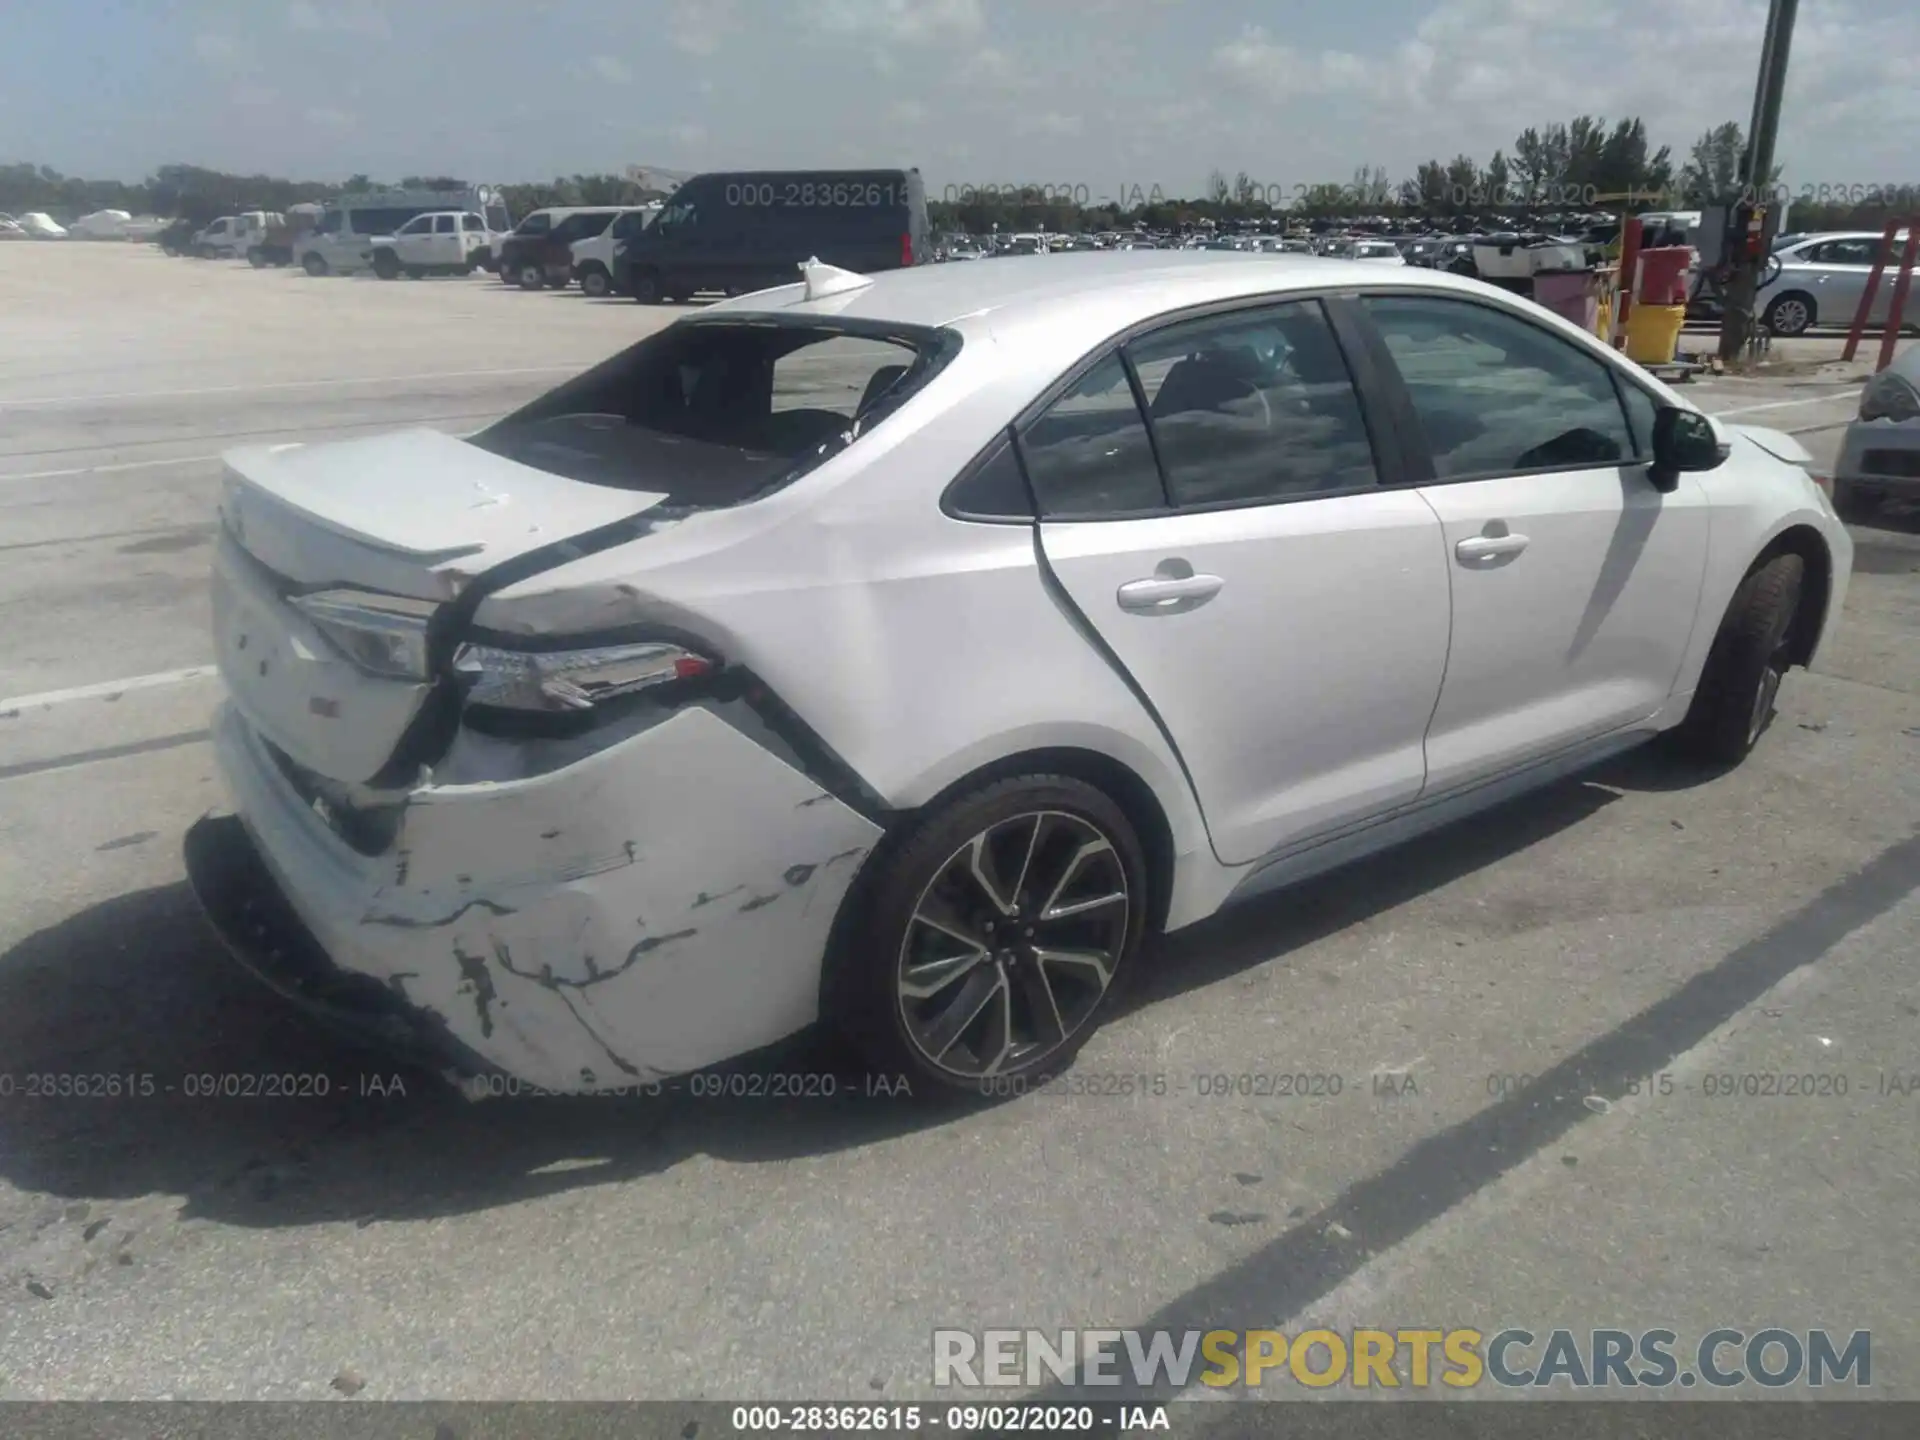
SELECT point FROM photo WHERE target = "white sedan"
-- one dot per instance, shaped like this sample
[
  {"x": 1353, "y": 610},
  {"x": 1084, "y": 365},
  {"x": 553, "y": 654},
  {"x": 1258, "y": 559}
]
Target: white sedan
[{"x": 905, "y": 651}]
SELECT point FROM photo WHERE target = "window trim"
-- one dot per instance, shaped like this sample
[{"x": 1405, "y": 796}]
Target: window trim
[
  {"x": 1116, "y": 345},
  {"x": 1416, "y": 437},
  {"x": 1003, "y": 439}
]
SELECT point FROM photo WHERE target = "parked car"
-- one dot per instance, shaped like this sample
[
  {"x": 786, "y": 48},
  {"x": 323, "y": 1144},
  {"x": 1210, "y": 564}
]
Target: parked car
[
  {"x": 680, "y": 739},
  {"x": 592, "y": 256},
  {"x": 1820, "y": 281},
  {"x": 10, "y": 228},
  {"x": 440, "y": 242},
  {"x": 231, "y": 236},
  {"x": 38, "y": 225},
  {"x": 1880, "y": 453},
  {"x": 176, "y": 237},
  {"x": 343, "y": 241},
  {"x": 543, "y": 258},
  {"x": 738, "y": 231},
  {"x": 1376, "y": 250}
]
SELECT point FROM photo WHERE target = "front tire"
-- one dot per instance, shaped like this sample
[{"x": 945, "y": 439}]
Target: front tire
[
  {"x": 1738, "y": 689},
  {"x": 386, "y": 265},
  {"x": 595, "y": 283},
  {"x": 314, "y": 265},
  {"x": 996, "y": 936}
]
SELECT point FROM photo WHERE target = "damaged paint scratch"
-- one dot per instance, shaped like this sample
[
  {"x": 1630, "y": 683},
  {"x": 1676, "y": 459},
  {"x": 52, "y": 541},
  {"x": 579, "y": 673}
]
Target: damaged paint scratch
[
  {"x": 819, "y": 799},
  {"x": 474, "y": 969},
  {"x": 799, "y": 874},
  {"x": 757, "y": 902},
  {"x": 408, "y": 922},
  {"x": 703, "y": 898},
  {"x": 855, "y": 852}
]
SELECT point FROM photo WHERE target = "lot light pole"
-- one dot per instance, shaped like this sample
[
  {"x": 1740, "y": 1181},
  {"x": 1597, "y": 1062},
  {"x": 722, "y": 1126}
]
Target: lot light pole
[{"x": 1736, "y": 323}]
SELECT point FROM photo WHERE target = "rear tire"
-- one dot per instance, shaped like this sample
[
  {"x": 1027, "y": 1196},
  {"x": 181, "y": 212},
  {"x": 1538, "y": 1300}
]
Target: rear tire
[
  {"x": 646, "y": 286},
  {"x": 416, "y": 272},
  {"x": 386, "y": 265},
  {"x": 314, "y": 265},
  {"x": 1738, "y": 689},
  {"x": 531, "y": 276},
  {"x": 961, "y": 972},
  {"x": 1790, "y": 315},
  {"x": 257, "y": 258}
]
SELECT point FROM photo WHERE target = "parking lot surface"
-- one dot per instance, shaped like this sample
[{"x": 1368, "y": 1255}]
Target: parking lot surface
[{"x": 1475, "y": 1013}]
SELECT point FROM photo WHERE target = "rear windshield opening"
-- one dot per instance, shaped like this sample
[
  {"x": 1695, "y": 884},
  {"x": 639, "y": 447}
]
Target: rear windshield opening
[{"x": 715, "y": 413}]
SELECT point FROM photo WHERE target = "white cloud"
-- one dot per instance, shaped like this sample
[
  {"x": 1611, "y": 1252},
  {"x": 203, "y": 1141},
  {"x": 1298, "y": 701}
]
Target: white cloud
[
  {"x": 330, "y": 119},
  {"x": 613, "y": 71},
  {"x": 1492, "y": 68},
  {"x": 906, "y": 22},
  {"x": 350, "y": 19},
  {"x": 701, "y": 27},
  {"x": 218, "y": 49}
]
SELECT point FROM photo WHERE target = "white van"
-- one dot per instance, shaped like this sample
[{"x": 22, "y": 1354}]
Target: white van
[
  {"x": 593, "y": 256},
  {"x": 343, "y": 241}
]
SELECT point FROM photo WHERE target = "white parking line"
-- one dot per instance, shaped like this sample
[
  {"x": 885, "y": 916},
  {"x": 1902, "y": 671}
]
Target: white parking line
[
  {"x": 106, "y": 688},
  {"x": 1787, "y": 404},
  {"x": 103, "y": 469},
  {"x": 291, "y": 385}
]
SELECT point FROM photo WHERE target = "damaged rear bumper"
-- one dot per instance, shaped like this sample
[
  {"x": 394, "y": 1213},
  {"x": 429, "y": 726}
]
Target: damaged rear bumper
[{"x": 659, "y": 907}]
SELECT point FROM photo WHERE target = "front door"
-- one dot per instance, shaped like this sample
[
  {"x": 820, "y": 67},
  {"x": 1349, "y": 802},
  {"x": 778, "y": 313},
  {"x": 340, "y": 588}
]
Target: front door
[
  {"x": 1283, "y": 612},
  {"x": 1575, "y": 583}
]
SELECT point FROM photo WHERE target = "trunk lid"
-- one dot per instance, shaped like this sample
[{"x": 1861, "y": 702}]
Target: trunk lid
[
  {"x": 404, "y": 522},
  {"x": 418, "y": 513}
]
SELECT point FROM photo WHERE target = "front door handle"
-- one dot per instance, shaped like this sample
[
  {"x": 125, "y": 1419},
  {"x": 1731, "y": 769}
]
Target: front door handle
[
  {"x": 1167, "y": 592},
  {"x": 1482, "y": 547}
]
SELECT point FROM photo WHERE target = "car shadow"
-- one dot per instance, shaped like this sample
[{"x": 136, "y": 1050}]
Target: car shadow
[{"x": 140, "y": 1061}]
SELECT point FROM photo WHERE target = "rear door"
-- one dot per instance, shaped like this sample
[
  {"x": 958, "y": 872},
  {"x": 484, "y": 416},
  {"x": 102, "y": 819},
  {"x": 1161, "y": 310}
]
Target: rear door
[
  {"x": 446, "y": 241},
  {"x": 1575, "y": 583},
  {"x": 1283, "y": 613}
]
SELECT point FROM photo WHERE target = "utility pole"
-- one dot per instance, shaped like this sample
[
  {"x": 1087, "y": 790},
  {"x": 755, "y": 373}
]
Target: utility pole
[{"x": 1736, "y": 323}]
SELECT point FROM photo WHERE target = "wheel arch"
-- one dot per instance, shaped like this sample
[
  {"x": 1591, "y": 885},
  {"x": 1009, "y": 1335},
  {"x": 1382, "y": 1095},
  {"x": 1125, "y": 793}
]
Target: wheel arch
[{"x": 1115, "y": 779}]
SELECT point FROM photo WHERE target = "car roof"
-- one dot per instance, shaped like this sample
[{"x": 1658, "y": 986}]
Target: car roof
[{"x": 1152, "y": 282}]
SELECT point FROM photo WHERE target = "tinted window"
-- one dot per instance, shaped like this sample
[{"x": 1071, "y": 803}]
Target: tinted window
[
  {"x": 473, "y": 222},
  {"x": 1256, "y": 405},
  {"x": 1847, "y": 252},
  {"x": 1641, "y": 408},
  {"x": 420, "y": 226},
  {"x": 995, "y": 489},
  {"x": 1496, "y": 394},
  {"x": 445, "y": 224},
  {"x": 497, "y": 217},
  {"x": 537, "y": 223},
  {"x": 629, "y": 225},
  {"x": 1089, "y": 455}
]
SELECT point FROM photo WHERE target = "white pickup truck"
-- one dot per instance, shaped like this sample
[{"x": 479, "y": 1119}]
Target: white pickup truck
[
  {"x": 440, "y": 242},
  {"x": 232, "y": 235}
]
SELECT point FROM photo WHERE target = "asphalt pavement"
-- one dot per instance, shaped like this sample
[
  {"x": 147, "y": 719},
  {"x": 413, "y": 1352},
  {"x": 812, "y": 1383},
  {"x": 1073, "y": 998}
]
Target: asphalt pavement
[{"x": 1497, "y": 1004}]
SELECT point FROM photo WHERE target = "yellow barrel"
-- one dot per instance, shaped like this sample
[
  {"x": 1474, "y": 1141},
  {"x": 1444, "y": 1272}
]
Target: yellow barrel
[{"x": 1653, "y": 333}]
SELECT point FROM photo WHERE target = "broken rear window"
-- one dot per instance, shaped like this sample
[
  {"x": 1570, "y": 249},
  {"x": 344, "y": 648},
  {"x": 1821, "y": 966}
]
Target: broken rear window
[{"x": 720, "y": 412}]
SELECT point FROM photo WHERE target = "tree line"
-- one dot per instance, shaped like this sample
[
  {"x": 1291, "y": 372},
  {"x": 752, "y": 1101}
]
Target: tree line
[
  {"x": 1563, "y": 167},
  {"x": 190, "y": 192}
]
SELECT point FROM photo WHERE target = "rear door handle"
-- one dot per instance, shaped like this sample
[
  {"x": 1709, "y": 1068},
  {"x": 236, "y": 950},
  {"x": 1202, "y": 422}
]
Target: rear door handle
[
  {"x": 1481, "y": 547},
  {"x": 1164, "y": 592}
]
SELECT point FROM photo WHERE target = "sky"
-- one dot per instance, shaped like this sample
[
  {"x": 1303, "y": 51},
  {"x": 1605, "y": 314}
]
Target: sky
[{"x": 1097, "y": 98}]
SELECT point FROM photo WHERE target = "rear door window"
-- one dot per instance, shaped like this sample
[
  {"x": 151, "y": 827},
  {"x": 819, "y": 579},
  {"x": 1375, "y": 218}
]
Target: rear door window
[
  {"x": 1088, "y": 456},
  {"x": 1253, "y": 406}
]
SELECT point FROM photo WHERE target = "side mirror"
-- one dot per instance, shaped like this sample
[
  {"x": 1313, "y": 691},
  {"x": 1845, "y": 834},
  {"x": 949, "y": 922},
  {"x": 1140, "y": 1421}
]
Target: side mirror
[{"x": 1683, "y": 440}]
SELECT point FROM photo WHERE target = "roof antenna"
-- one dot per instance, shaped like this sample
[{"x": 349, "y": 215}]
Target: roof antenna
[{"x": 824, "y": 280}]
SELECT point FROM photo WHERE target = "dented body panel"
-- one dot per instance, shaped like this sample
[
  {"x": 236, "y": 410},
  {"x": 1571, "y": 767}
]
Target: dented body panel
[{"x": 655, "y": 908}]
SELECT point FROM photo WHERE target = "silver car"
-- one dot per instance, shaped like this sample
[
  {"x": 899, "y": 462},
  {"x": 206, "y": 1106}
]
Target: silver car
[
  {"x": 1880, "y": 455},
  {"x": 1821, "y": 280},
  {"x": 907, "y": 650}
]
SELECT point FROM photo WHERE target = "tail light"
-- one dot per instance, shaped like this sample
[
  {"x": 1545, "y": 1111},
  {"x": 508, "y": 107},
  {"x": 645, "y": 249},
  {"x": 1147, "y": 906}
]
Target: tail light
[
  {"x": 546, "y": 682},
  {"x": 906, "y": 249}
]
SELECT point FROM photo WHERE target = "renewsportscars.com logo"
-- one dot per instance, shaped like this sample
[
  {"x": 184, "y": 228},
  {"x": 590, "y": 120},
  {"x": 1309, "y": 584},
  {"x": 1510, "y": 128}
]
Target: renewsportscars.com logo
[{"x": 1457, "y": 1359}]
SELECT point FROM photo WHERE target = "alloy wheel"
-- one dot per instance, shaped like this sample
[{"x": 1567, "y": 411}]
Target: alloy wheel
[
  {"x": 1789, "y": 317},
  {"x": 1013, "y": 944}
]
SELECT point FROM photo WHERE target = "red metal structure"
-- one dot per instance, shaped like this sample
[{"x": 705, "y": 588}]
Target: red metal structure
[{"x": 1902, "y": 283}]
